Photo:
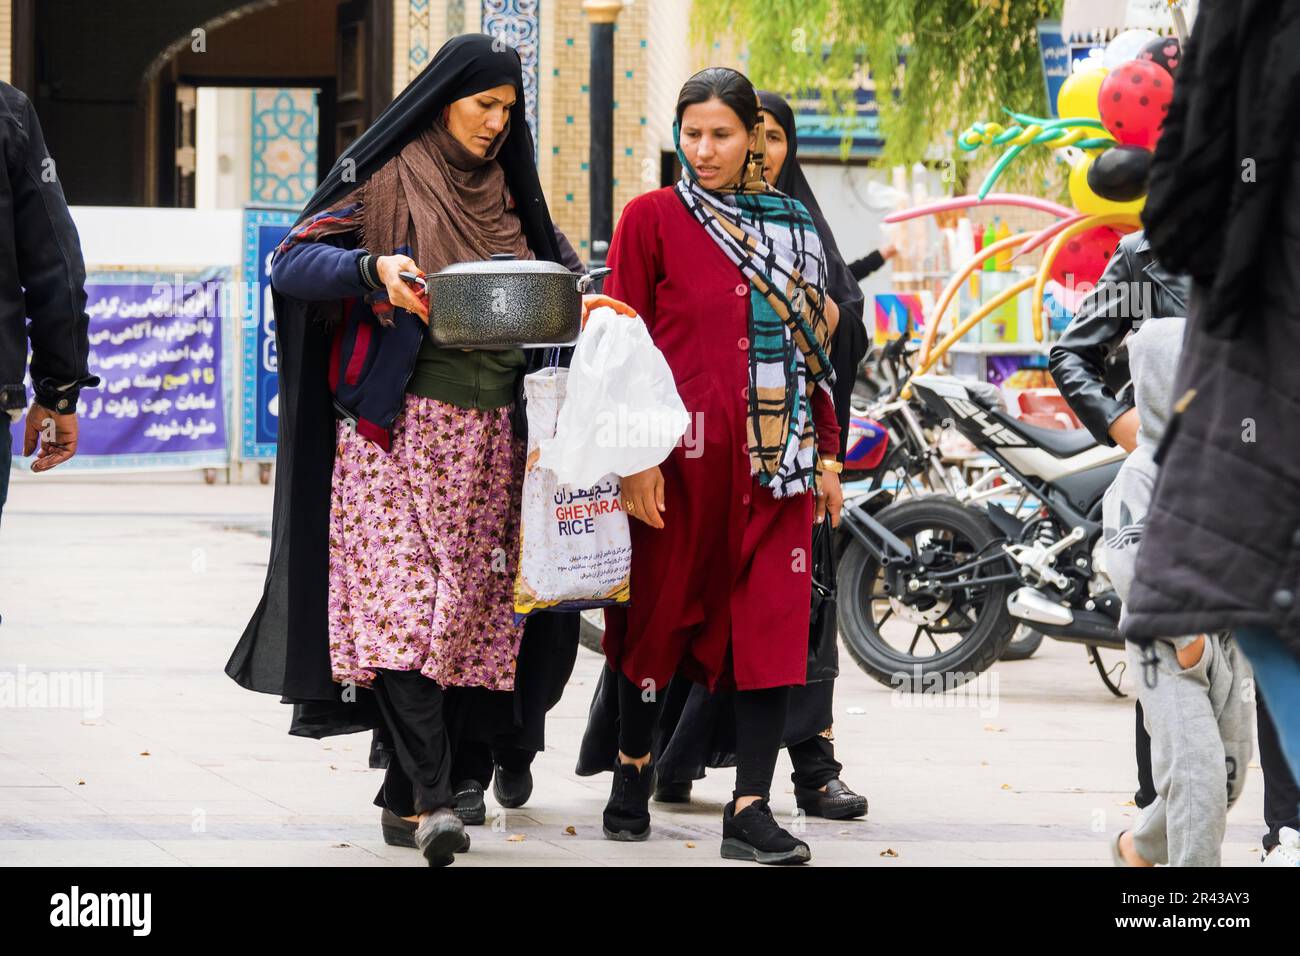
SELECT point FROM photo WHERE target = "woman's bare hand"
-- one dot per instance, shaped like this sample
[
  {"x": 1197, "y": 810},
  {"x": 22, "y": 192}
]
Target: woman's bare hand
[
  {"x": 831, "y": 500},
  {"x": 643, "y": 496},
  {"x": 400, "y": 294}
]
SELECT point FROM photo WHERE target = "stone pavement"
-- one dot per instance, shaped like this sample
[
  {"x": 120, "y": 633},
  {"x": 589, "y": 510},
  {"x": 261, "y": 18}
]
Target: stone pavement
[{"x": 136, "y": 588}]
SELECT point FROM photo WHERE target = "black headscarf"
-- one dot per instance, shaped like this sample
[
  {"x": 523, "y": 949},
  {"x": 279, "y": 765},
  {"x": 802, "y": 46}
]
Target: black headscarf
[
  {"x": 285, "y": 648},
  {"x": 850, "y": 342},
  {"x": 465, "y": 65}
]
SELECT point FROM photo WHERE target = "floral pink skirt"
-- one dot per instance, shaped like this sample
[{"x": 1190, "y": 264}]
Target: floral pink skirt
[{"x": 423, "y": 548}]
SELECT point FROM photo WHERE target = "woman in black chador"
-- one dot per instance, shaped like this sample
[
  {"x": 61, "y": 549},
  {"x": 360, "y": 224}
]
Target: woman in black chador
[{"x": 389, "y": 593}]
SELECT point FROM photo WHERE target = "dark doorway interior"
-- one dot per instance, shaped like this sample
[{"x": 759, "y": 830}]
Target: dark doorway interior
[{"x": 105, "y": 76}]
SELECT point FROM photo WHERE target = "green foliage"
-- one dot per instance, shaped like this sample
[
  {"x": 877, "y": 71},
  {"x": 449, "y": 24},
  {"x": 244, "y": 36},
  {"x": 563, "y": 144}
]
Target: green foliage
[{"x": 965, "y": 60}]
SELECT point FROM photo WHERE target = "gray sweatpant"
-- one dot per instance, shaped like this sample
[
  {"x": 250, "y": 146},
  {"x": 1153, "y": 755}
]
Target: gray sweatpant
[{"x": 1200, "y": 720}]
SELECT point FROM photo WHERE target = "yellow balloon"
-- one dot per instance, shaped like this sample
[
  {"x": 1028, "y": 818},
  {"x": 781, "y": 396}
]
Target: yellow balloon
[
  {"x": 1078, "y": 94},
  {"x": 1085, "y": 200}
]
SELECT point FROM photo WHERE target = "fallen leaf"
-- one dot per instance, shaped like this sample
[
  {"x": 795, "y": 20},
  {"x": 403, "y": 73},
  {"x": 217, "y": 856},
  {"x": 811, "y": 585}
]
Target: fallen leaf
[
  {"x": 341, "y": 846},
  {"x": 1006, "y": 786},
  {"x": 515, "y": 838},
  {"x": 332, "y": 767},
  {"x": 993, "y": 729},
  {"x": 570, "y": 831},
  {"x": 984, "y": 763},
  {"x": 145, "y": 753},
  {"x": 888, "y": 852},
  {"x": 1128, "y": 803},
  {"x": 690, "y": 845},
  {"x": 81, "y": 783}
]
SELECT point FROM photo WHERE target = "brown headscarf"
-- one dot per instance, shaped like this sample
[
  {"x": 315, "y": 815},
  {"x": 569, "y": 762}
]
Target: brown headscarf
[{"x": 444, "y": 201}]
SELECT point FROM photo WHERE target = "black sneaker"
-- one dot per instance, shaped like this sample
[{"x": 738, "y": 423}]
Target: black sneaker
[
  {"x": 468, "y": 803},
  {"x": 836, "y": 802},
  {"x": 666, "y": 792},
  {"x": 512, "y": 788},
  {"x": 440, "y": 836},
  {"x": 627, "y": 815},
  {"x": 753, "y": 834}
]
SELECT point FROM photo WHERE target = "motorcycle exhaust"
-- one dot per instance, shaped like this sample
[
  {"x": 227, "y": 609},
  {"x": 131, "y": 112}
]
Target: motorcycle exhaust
[{"x": 1030, "y": 604}]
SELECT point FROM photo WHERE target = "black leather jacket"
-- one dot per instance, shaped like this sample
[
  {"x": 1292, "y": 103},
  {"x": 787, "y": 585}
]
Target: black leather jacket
[
  {"x": 42, "y": 277},
  {"x": 1088, "y": 363}
]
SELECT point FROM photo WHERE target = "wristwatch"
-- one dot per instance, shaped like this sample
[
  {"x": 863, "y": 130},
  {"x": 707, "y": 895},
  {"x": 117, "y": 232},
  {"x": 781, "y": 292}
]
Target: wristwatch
[{"x": 832, "y": 465}]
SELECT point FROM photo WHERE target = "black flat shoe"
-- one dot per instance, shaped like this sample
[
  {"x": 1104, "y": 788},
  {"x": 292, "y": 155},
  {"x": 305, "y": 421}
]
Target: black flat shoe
[
  {"x": 666, "y": 792},
  {"x": 468, "y": 803},
  {"x": 836, "y": 802},
  {"x": 397, "y": 832},
  {"x": 627, "y": 815},
  {"x": 512, "y": 789},
  {"x": 753, "y": 834},
  {"x": 439, "y": 836}
]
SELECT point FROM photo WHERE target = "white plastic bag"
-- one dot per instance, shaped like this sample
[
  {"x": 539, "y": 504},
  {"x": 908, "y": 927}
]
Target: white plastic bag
[
  {"x": 622, "y": 413},
  {"x": 575, "y": 551}
]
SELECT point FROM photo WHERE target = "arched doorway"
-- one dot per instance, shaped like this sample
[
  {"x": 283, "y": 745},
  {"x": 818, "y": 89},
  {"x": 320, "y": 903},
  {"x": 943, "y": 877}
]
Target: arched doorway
[{"x": 122, "y": 127}]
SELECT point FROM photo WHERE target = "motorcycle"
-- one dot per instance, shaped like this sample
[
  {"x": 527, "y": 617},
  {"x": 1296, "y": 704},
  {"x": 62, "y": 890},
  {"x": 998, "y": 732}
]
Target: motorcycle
[{"x": 961, "y": 572}]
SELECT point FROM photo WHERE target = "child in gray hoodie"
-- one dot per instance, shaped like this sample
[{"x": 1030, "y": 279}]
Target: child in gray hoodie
[{"x": 1196, "y": 700}]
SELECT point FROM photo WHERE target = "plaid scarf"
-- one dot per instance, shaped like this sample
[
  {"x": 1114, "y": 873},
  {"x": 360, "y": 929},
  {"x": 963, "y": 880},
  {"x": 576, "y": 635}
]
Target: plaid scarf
[{"x": 772, "y": 239}]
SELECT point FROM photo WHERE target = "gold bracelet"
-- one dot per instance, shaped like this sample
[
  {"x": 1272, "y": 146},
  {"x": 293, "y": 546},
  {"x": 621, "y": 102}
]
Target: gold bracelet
[{"x": 832, "y": 465}]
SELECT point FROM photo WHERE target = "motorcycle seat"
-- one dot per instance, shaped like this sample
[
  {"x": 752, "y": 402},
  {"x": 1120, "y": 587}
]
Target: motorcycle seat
[{"x": 1058, "y": 442}]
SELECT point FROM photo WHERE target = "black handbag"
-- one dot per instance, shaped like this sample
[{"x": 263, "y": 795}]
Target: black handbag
[{"x": 823, "y": 630}]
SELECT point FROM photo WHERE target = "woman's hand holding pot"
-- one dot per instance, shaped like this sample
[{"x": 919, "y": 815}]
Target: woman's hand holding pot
[{"x": 401, "y": 295}]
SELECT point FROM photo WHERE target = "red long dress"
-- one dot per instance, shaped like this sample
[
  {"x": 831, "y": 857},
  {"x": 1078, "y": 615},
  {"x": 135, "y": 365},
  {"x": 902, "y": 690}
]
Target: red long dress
[{"x": 723, "y": 590}]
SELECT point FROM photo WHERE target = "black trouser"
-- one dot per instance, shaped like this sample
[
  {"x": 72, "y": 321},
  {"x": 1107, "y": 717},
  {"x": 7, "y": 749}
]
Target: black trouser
[
  {"x": 814, "y": 763},
  {"x": 1281, "y": 795},
  {"x": 760, "y": 720},
  {"x": 419, "y": 780},
  {"x": 6, "y": 461},
  {"x": 1146, "y": 791},
  {"x": 474, "y": 760}
]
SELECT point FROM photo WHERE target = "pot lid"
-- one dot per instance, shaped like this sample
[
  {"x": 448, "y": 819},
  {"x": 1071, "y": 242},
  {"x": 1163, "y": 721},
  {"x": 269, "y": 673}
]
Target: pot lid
[{"x": 505, "y": 264}]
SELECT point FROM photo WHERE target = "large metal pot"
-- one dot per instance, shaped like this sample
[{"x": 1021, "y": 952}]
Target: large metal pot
[{"x": 507, "y": 303}]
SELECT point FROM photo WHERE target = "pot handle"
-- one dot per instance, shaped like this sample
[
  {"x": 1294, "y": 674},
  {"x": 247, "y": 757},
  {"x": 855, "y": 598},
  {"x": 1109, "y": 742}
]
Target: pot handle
[
  {"x": 588, "y": 282},
  {"x": 420, "y": 282}
]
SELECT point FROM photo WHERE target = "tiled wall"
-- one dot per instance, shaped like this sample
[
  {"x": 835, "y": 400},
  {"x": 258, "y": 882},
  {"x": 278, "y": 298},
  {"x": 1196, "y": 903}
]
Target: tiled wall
[
  {"x": 283, "y": 138},
  {"x": 565, "y": 138},
  {"x": 6, "y": 40}
]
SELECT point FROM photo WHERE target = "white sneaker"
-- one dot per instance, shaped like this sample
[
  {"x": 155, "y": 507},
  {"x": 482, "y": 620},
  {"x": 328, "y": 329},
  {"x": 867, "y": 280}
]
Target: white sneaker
[{"x": 1287, "y": 851}]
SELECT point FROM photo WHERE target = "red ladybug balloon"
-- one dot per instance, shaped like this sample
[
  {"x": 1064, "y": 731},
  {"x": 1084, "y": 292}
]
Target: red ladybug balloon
[
  {"x": 1134, "y": 100},
  {"x": 1083, "y": 258}
]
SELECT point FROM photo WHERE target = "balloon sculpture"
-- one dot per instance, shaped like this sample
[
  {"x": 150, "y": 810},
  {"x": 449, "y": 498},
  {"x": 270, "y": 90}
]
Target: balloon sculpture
[{"x": 1111, "y": 113}]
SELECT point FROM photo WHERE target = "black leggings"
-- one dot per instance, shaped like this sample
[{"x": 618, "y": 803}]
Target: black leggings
[{"x": 760, "y": 722}]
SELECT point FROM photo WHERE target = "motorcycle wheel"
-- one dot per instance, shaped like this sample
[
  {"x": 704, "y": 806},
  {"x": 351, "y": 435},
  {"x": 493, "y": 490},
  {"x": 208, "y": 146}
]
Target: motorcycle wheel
[
  {"x": 1024, "y": 642},
  {"x": 875, "y": 627}
]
